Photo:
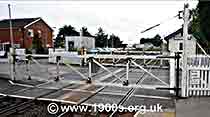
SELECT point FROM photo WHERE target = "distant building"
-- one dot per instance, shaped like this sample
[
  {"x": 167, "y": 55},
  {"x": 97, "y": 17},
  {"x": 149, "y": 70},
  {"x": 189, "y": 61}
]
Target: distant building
[
  {"x": 24, "y": 30},
  {"x": 175, "y": 42},
  {"x": 144, "y": 46},
  {"x": 148, "y": 46},
  {"x": 77, "y": 42}
]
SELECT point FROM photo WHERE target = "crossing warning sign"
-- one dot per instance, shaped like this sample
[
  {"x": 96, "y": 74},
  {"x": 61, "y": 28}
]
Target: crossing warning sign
[{"x": 195, "y": 77}]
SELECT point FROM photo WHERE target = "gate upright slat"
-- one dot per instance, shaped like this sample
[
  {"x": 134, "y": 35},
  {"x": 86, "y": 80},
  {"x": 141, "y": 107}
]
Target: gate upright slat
[
  {"x": 201, "y": 81},
  {"x": 208, "y": 81},
  {"x": 204, "y": 82}
]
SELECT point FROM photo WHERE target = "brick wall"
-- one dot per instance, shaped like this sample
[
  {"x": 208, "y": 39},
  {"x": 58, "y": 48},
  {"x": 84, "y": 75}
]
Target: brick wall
[
  {"x": 5, "y": 35},
  {"x": 46, "y": 32},
  {"x": 25, "y": 41}
]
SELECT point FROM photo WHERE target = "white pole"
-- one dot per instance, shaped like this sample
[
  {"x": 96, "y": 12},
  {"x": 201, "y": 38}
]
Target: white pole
[
  {"x": 90, "y": 69},
  {"x": 81, "y": 39},
  {"x": 12, "y": 50},
  {"x": 143, "y": 55},
  {"x": 172, "y": 73},
  {"x": 185, "y": 52},
  {"x": 127, "y": 70},
  {"x": 10, "y": 25}
]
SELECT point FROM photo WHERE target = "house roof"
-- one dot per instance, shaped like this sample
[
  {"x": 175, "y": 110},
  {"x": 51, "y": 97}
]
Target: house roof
[
  {"x": 20, "y": 22},
  {"x": 174, "y": 34}
]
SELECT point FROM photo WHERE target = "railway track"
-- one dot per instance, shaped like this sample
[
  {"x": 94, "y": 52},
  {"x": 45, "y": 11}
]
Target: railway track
[
  {"x": 13, "y": 105},
  {"x": 17, "y": 106}
]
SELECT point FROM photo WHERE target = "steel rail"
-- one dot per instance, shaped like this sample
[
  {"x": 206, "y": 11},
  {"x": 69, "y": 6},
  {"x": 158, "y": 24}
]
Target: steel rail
[
  {"x": 129, "y": 93},
  {"x": 82, "y": 101}
]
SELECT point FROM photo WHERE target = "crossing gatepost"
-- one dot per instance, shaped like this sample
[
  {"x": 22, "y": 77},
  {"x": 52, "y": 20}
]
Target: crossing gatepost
[
  {"x": 184, "y": 87},
  {"x": 174, "y": 82}
]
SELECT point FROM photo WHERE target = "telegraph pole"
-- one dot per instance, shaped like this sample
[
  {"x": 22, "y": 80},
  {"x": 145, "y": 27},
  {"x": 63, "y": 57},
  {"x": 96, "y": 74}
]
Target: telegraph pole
[
  {"x": 185, "y": 52},
  {"x": 12, "y": 49},
  {"x": 10, "y": 25}
]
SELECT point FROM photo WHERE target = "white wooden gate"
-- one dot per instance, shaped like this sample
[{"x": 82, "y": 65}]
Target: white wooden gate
[{"x": 198, "y": 73}]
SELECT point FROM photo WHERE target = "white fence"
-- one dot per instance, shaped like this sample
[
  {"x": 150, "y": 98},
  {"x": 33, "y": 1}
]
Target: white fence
[
  {"x": 67, "y": 57},
  {"x": 198, "y": 73}
]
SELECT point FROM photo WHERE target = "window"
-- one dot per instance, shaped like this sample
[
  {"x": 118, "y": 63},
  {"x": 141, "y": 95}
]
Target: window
[
  {"x": 1, "y": 47},
  {"x": 70, "y": 45},
  {"x": 30, "y": 33},
  {"x": 39, "y": 33},
  {"x": 180, "y": 46}
]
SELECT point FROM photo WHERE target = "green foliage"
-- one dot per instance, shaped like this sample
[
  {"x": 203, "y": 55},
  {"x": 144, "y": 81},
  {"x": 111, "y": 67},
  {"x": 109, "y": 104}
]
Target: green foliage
[
  {"x": 68, "y": 31},
  {"x": 85, "y": 32},
  {"x": 114, "y": 41},
  {"x": 73, "y": 49},
  {"x": 156, "y": 40},
  {"x": 201, "y": 23},
  {"x": 101, "y": 39},
  {"x": 65, "y": 31}
]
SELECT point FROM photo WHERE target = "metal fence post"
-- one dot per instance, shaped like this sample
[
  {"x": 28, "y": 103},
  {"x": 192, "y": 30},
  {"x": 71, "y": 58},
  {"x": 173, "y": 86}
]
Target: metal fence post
[{"x": 58, "y": 58}]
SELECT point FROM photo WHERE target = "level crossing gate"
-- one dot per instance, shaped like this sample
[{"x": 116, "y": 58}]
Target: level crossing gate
[
  {"x": 130, "y": 61},
  {"x": 198, "y": 76}
]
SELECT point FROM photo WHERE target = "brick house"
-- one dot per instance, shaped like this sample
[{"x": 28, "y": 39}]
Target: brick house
[{"x": 25, "y": 30}]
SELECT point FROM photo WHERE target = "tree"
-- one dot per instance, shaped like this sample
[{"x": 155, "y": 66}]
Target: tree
[
  {"x": 156, "y": 40},
  {"x": 114, "y": 41},
  {"x": 101, "y": 39},
  {"x": 85, "y": 32},
  {"x": 65, "y": 31},
  {"x": 201, "y": 24}
]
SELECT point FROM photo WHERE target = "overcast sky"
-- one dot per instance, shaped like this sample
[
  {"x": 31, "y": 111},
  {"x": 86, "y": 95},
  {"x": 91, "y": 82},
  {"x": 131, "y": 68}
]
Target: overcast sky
[{"x": 123, "y": 18}]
